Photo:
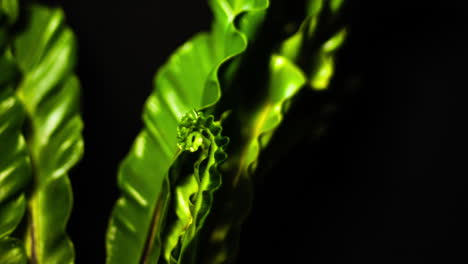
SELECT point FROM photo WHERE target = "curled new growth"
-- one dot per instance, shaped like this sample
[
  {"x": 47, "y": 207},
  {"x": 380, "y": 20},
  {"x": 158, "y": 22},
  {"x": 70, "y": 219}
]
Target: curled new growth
[{"x": 196, "y": 130}]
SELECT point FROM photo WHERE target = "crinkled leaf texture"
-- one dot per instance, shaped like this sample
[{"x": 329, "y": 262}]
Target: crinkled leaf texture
[
  {"x": 203, "y": 149},
  {"x": 306, "y": 42},
  {"x": 285, "y": 81},
  {"x": 49, "y": 91},
  {"x": 15, "y": 165},
  {"x": 189, "y": 80},
  {"x": 259, "y": 122},
  {"x": 286, "y": 78}
]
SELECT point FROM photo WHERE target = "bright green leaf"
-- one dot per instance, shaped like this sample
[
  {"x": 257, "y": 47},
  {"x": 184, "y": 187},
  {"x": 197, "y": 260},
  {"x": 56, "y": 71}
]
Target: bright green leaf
[
  {"x": 203, "y": 146},
  {"x": 189, "y": 80},
  {"x": 286, "y": 79},
  {"x": 45, "y": 52},
  {"x": 301, "y": 60},
  {"x": 15, "y": 167},
  {"x": 321, "y": 61}
]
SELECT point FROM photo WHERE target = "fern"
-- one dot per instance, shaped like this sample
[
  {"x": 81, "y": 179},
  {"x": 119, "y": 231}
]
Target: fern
[
  {"x": 47, "y": 95},
  {"x": 192, "y": 79},
  {"x": 15, "y": 165},
  {"x": 185, "y": 192}
]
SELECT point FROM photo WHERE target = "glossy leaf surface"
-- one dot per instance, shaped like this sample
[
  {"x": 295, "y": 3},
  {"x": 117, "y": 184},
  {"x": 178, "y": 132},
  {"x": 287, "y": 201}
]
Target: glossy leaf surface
[
  {"x": 15, "y": 166},
  {"x": 189, "y": 80},
  {"x": 202, "y": 145},
  {"x": 306, "y": 57},
  {"x": 309, "y": 44},
  {"x": 45, "y": 53},
  {"x": 285, "y": 81}
]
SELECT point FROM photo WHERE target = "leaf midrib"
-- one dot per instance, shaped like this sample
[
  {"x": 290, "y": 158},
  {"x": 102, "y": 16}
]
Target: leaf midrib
[
  {"x": 148, "y": 247},
  {"x": 33, "y": 234},
  {"x": 252, "y": 139}
]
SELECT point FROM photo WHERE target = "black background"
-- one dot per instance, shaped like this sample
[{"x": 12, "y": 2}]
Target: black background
[{"x": 384, "y": 185}]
